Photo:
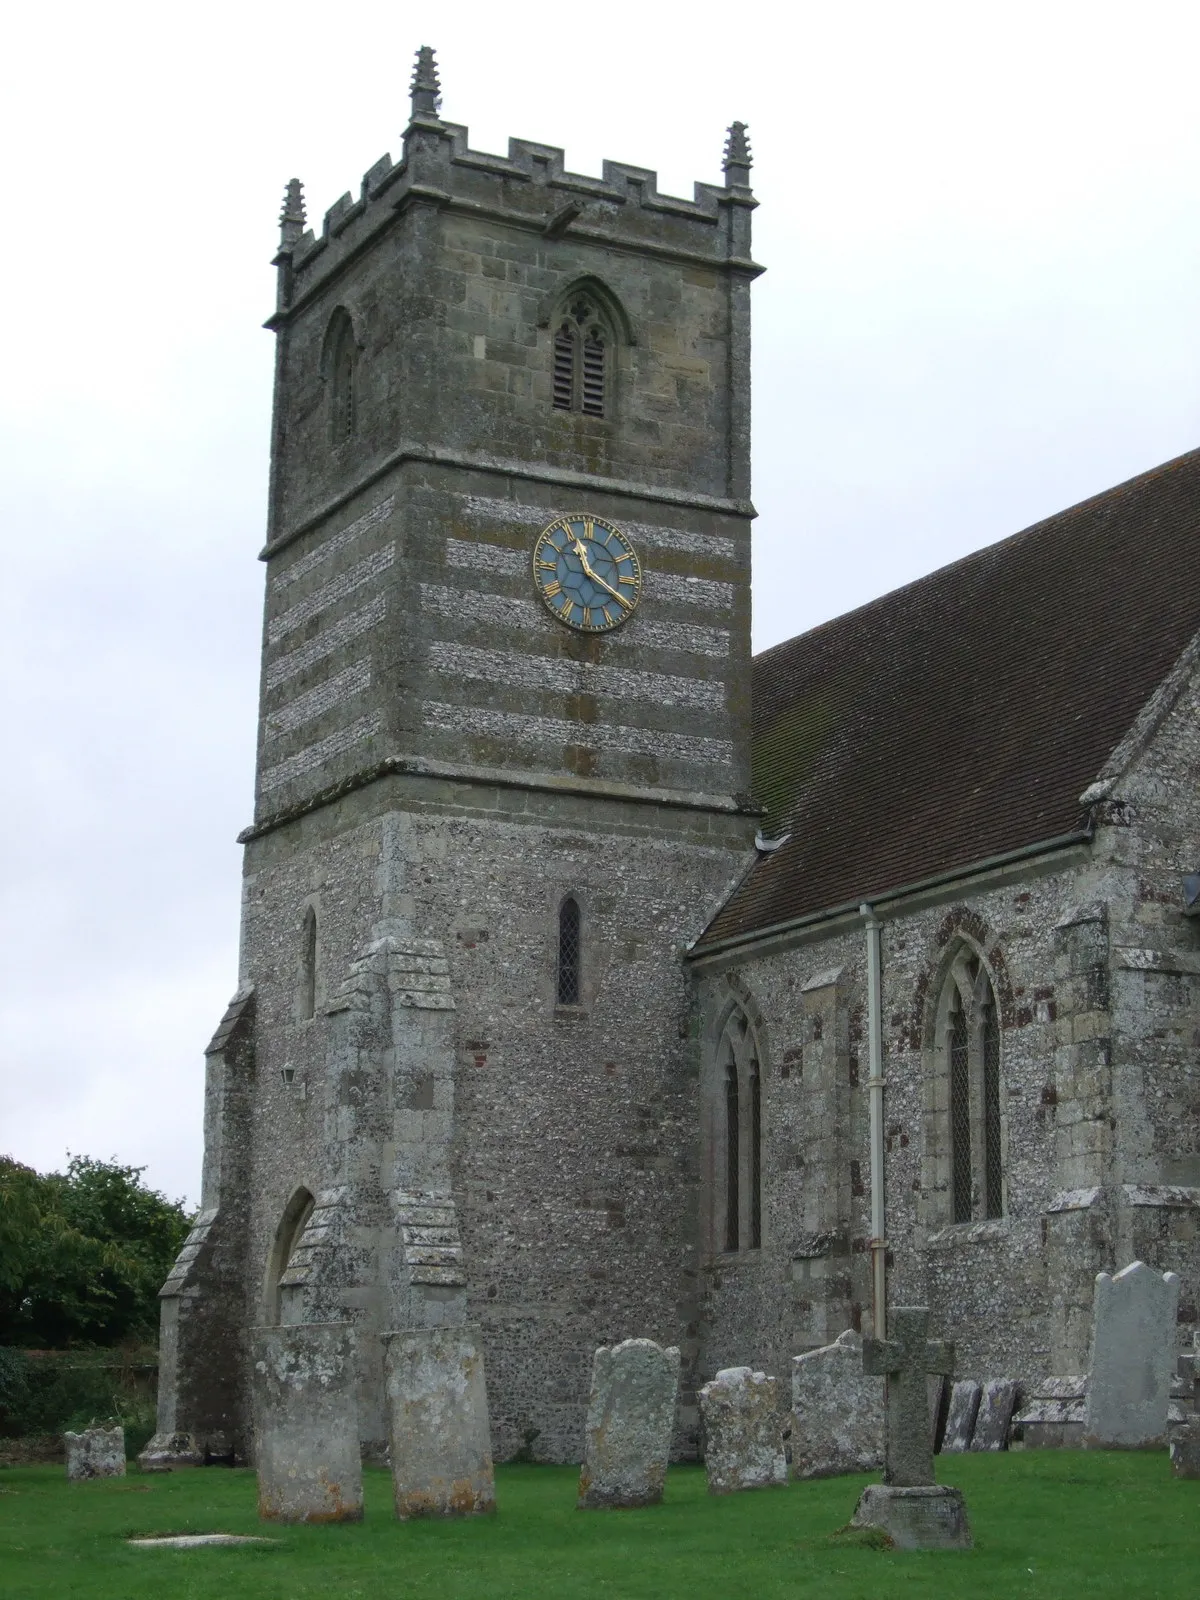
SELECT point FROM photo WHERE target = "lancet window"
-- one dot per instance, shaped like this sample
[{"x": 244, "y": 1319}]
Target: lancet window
[
  {"x": 307, "y": 999},
  {"x": 342, "y": 374},
  {"x": 735, "y": 1134},
  {"x": 964, "y": 1120},
  {"x": 570, "y": 953}
]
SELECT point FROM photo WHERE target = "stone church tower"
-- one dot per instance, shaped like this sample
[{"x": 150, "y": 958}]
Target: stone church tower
[{"x": 501, "y": 784}]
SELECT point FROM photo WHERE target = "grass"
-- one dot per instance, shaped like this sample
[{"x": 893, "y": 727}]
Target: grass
[{"x": 1050, "y": 1524}]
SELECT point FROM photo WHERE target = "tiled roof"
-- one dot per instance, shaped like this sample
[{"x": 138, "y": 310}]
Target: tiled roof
[{"x": 961, "y": 717}]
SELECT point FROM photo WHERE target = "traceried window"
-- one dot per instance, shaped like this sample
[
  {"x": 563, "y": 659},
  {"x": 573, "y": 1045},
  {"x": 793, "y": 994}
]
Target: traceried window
[
  {"x": 570, "y": 953},
  {"x": 964, "y": 1130},
  {"x": 735, "y": 1130},
  {"x": 582, "y": 344}
]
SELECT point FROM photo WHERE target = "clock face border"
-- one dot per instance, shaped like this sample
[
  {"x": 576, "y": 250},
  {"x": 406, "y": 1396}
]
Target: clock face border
[{"x": 549, "y": 562}]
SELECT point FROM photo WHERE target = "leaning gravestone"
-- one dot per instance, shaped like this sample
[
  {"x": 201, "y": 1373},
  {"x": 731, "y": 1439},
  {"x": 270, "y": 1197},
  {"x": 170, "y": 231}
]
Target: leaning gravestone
[
  {"x": 95, "y": 1453},
  {"x": 1185, "y": 1449},
  {"x": 994, "y": 1418},
  {"x": 438, "y": 1433},
  {"x": 1133, "y": 1354},
  {"x": 304, "y": 1384},
  {"x": 630, "y": 1418},
  {"x": 837, "y": 1411},
  {"x": 960, "y": 1419},
  {"x": 915, "y": 1512},
  {"x": 743, "y": 1436}
]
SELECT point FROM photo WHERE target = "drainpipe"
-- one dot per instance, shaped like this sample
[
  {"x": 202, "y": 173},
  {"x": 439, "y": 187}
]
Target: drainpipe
[{"x": 875, "y": 1086}]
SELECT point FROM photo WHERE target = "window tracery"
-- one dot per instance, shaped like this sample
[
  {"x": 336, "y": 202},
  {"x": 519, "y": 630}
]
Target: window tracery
[{"x": 582, "y": 344}]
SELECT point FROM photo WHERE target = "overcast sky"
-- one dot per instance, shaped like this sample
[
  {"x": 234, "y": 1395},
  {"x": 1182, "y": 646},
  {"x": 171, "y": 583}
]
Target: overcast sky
[{"x": 981, "y": 224}]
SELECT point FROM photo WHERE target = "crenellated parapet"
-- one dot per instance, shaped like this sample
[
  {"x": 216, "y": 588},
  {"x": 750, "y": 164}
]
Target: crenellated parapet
[{"x": 529, "y": 188}]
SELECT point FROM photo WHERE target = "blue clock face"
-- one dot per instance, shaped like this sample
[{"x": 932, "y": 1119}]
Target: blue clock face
[{"x": 587, "y": 573}]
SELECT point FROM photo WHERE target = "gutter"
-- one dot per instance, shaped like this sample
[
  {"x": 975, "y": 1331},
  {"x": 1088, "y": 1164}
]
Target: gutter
[{"x": 810, "y": 919}]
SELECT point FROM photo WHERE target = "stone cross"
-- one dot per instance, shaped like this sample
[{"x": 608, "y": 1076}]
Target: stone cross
[{"x": 903, "y": 1360}]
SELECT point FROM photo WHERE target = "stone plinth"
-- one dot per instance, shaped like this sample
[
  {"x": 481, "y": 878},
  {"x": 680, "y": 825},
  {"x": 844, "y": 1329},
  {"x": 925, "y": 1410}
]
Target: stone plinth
[
  {"x": 1133, "y": 1359},
  {"x": 1185, "y": 1449},
  {"x": 95, "y": 1453},
  {"x": 631, "y": 1413},
  {"x": 837, "y": 1411},
  {"x": 439, "y": 1437},
  {"x": 743, "y": 1436},
  {"x": 960, "y": 1419},
  {"x": 304, "y": 1383},
  {"x": 926, "y": 1517}
]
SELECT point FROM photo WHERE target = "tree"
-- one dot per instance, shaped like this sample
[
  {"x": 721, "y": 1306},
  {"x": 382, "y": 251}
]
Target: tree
[{"x": 83, "y": 1253}]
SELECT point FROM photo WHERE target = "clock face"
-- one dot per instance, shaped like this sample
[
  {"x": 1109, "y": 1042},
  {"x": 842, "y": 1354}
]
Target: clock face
[{"x": 587, "y": 573}]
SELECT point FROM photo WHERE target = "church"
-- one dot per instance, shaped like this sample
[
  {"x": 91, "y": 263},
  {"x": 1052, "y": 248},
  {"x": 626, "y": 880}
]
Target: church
[{"x": 599, "y": 980}]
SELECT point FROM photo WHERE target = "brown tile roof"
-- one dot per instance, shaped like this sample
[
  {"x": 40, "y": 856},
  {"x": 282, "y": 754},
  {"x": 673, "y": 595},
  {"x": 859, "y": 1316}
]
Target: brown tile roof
[{"x": 962, "y": 716}]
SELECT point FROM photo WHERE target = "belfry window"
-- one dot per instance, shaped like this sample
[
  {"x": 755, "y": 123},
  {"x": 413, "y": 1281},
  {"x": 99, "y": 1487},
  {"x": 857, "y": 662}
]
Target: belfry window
[
  {"x": 570, "y": 954},
  {"x": 735, "y": 1133},
  {"x": 581, "y": 358},
  {"x": 963, "y": 1106}
]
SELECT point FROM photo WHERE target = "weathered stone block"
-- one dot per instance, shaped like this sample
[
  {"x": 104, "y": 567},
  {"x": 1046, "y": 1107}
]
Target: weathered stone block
[
  {"x": 1185, "y": 1449},
  {"x": 928, "y": 1517},
  {"x": 837, "y": 1411},
  {"x": 960, "y": 1419},
  {"x": 994, "y": 1417},
  {"x": 631, "y": 1413},
  {"x": 743, "y": 1435},
  {"x": 438, "y": 1432},
  {"x": 306, "y": 1435},
  {"x": 95, "y": 1453},
  {"x": 1133, "y": 1357}
]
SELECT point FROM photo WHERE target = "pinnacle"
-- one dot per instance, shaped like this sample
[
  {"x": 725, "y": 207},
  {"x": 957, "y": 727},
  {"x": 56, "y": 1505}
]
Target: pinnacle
[
  {"x": 292, "y": 218},
  {"x": 426, "y": 88},
  {"x": 737, "y": 155}
]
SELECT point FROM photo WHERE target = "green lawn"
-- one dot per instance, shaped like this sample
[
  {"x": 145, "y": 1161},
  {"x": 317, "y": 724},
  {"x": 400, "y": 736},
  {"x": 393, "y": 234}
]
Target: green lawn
[{"x": 1051, "y": 1524}]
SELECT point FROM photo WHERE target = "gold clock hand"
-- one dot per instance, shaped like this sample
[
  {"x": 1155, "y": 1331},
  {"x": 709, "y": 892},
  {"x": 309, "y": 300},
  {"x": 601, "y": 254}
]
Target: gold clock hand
[{"x": 581, "y": 551}]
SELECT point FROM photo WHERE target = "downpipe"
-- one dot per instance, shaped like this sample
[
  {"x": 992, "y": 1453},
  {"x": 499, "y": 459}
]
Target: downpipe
[{"x": 875, "y": 1088}]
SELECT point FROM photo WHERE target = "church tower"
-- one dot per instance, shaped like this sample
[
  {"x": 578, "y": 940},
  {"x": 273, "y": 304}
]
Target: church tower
[{"x": 502, "y": 779}]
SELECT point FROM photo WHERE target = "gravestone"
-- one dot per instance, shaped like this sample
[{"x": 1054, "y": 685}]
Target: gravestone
[
  {"x": 1133, "y": 1356},
  {"x": 438, "y": 1432},
  {"x": 630, "y": 1417},
  {"x": 743, "y": 1434},
  {"x": 837, "y": 1411},
  {"x": 304, "y": 1381},
  {"x": 995, "y": 1414},
  {"x": 1052, "y": 1413},
  {"x": 960, "y": 1419},
  {"x": 1185, "y": 1449},
  {"x": 915, "y": 1512},
  {"x": 95, "y": 1453}
]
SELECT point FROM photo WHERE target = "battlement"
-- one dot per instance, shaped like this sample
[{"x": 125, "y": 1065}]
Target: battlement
[{"x": 529, "y": 188}]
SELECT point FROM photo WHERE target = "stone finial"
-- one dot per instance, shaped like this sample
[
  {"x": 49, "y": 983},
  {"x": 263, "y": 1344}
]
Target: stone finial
[
  {"x": 426, "y": 89},
  {"x": 737, "y": 157},
  {"x": 292, "y": 218}
]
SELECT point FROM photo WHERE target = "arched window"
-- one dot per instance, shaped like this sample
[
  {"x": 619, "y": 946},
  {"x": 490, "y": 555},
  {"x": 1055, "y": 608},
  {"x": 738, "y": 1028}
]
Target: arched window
[
  {"x": 734, "y": 1116},
  {"x": 287, "y": 1236},
  {"x": 308, "y": 965},
  {"x": 963, "y": 1112},
  {"x": 341, "y": 361},
  {"x": 570, "y": 953},
  {"x": 582, "y": 344}
]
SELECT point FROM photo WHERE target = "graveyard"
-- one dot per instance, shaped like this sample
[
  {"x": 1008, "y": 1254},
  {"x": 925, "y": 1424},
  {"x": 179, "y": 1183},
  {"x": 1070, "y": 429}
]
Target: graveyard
[{"x": 1045, "y": 1522}]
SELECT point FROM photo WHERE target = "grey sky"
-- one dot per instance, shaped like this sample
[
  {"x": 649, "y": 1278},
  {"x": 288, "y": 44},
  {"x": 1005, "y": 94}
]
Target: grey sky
[{"x": 982, "y": 229}]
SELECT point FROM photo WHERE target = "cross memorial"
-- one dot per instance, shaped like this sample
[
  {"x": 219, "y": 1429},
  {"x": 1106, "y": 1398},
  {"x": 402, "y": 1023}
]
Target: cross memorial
[
  {"x": 914, "y": 1511},
  {"x": 904, "y": 1360}
]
